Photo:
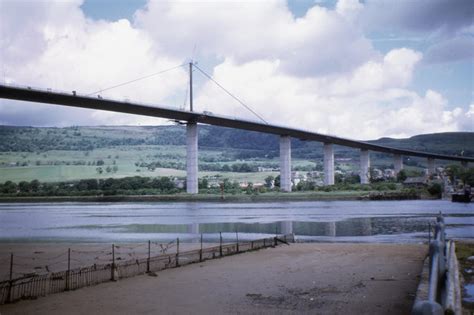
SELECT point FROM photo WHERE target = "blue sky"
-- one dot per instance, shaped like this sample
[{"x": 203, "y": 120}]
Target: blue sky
[{"x": 391, "y": 68}]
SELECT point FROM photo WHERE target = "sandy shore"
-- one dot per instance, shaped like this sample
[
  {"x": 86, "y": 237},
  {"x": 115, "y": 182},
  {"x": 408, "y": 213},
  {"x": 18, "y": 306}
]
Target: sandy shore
[{"x": 296, "y": 279}]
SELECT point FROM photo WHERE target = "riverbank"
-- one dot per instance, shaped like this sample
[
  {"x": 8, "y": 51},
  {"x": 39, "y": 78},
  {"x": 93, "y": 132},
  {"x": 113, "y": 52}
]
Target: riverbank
[
  {"x": 295, "y": 279},
  {"x": 270, "y": 196}
]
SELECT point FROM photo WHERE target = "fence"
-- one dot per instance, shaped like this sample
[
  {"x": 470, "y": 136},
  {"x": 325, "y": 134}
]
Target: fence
[
  {"x": 31, "y": 285},
  {"x": 443, "y": 292}
]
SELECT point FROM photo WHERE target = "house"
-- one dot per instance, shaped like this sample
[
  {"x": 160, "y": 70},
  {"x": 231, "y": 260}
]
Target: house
[{"x": 416, "y": 181}]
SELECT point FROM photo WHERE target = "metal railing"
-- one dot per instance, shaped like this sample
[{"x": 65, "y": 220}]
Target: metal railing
[
  {"x": 443, "y": 296},
  {"x": 31, "y": 286}
]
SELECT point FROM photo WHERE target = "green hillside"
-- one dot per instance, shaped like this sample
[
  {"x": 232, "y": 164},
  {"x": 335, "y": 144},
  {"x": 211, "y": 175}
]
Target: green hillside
[{"x": 60, "y": 154}]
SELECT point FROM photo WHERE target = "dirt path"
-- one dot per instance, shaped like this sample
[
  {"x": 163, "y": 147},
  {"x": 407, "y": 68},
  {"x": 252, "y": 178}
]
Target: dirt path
[{"x": 296, "y": 279}]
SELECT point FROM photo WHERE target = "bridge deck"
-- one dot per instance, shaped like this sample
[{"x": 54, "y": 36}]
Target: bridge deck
[{"x": 66, "y": 99}]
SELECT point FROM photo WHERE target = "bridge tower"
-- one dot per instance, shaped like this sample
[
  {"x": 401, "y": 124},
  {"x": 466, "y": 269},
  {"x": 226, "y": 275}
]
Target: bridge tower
[{"x": 191, "y": 144}]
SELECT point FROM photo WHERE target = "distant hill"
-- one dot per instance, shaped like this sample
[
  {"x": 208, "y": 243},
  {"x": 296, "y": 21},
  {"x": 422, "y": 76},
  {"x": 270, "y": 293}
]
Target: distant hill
[{"x": 250, "y": 144}]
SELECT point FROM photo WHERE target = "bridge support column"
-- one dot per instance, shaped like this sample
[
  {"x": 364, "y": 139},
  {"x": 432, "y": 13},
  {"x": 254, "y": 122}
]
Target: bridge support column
[
  {"x": 364, "y": 167},
  {"x": 191, "y": 158},
  {"x": 285, "y": 163},
  {"x": 398, "y": 163},
  {"x": 328, "y": 164},
  {"x": 192, "y": 228},
  {"x": 431, "y": 166},
  {"x": 330, "y": 229},
  {"x": 464, "y": 164}
]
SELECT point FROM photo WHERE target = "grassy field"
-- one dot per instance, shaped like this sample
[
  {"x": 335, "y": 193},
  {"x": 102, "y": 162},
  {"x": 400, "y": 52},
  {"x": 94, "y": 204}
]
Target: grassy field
[{"x": 57, "y": 165}]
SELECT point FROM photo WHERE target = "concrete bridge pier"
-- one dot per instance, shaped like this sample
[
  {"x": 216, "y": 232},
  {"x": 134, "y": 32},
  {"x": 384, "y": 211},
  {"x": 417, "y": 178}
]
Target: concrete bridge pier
[
  {"x": 191, "y": 158},
  {"x": 464, "y": 164},
  {"x": 285, "y": 163},
  {"x": 192, "y": 228},
  {"x": 330, "y": 229},
  {"x": 431, "y": 166},
  {"x": 328, "y": 164},
  {"x": 364, "y": 167},
  {"x": 397, "y": 163}
]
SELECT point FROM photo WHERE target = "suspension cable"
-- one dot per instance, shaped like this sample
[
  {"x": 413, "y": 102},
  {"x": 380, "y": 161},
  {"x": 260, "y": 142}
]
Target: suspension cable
[
  {"x": 138, "y": 79},
  {"x": 231, "y": 95}
]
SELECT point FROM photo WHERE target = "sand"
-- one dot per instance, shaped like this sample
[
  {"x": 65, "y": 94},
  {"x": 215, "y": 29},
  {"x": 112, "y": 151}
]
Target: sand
[{"x": 297, "y": 279}]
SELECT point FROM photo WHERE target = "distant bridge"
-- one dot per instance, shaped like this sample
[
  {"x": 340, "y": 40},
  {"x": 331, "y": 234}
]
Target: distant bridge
[{"x": 193, "y": 118}]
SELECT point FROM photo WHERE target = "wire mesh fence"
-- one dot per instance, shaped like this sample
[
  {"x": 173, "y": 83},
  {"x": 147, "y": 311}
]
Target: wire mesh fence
[{"x": 67, "y": 271}]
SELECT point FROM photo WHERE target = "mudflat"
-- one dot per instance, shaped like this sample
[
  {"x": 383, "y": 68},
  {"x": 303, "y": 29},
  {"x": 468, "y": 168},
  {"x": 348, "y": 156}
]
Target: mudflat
[{"x": 312, "y": 278}]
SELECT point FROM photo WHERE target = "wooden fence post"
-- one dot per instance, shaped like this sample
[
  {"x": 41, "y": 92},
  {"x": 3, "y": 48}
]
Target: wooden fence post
[
  {"x": 237, "y": 237},
  {"x": 220, "y": 244},
  {"x": 177, "y": 252},
  {"x": 112, "y": 277},
  {"x": 68, "y": 269},
  {"x": 429, "y": 233},
  {"x": 200, "y": 252},
  {"x": 10, "y": 287},
  {"x": 148, "y": 259}
]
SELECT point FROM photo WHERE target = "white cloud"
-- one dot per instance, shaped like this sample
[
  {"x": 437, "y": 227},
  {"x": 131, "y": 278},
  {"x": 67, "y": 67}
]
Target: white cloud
[
  {"x": 320, "y": 43},
  {"x": 367, "y": 103},
  {"x": 318, "y": 72}
]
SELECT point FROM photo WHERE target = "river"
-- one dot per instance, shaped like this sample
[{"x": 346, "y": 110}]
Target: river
[{"x": 334, "y": 221}]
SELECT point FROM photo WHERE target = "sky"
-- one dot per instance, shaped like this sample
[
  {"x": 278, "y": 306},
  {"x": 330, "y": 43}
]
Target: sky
[{"x": 356, "y": 69}]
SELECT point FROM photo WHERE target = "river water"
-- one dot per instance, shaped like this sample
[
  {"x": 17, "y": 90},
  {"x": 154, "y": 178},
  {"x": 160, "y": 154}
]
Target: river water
[{"x": 335, "y": 221}]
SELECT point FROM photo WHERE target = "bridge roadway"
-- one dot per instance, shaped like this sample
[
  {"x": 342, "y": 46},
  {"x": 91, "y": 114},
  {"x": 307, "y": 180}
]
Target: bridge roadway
[{"x": 192, "y": 118}]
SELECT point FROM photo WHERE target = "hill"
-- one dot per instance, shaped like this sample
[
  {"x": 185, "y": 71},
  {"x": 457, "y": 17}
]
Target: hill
[
  {"x": 40, "y": 139},
  {"x": 60, "y": 154}
]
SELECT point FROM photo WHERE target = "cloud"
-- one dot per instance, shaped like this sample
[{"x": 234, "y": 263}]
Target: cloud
[
  {"x": 367, "y": 103},
  {"x": 318, "y": 72},
  {"x": 444, "y": 16},
  {"x": 76, "y": 53},
  {"x": 456, "y": 49},
  {"x": 321, "y": 42}
]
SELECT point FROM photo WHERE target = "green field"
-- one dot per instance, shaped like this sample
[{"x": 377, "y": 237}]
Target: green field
[{"x": 59, "y": 165}]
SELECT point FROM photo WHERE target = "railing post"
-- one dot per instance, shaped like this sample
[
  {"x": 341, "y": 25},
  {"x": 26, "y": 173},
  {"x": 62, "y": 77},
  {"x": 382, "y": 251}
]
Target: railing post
[
  {"x": 10, "y": 286},
  {"x": 237, "y": 237},
  {"x": 220, "y": 244},
  {"x": 429, "y": 233},
  {"x": 149, "y": 256},
  {"x": 200, "y": 252},
  {"x": 68, "y": 269},
  {"x": 177, "y": 252}
]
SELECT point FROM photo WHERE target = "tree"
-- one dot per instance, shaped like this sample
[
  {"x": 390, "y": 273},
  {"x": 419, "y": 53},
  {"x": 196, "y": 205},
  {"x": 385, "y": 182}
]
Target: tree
[
  {"x": 269, "y": 181},
  {"x": 35, "y": 185},
  {"x": 99, "y": 170},
  {"x": 277, "y": 181},
  {"x": 402, "y": 176}
]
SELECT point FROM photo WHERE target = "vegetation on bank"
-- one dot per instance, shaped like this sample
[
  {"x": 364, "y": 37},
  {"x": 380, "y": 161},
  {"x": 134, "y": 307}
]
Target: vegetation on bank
[{"x": 165, "y": 186}]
